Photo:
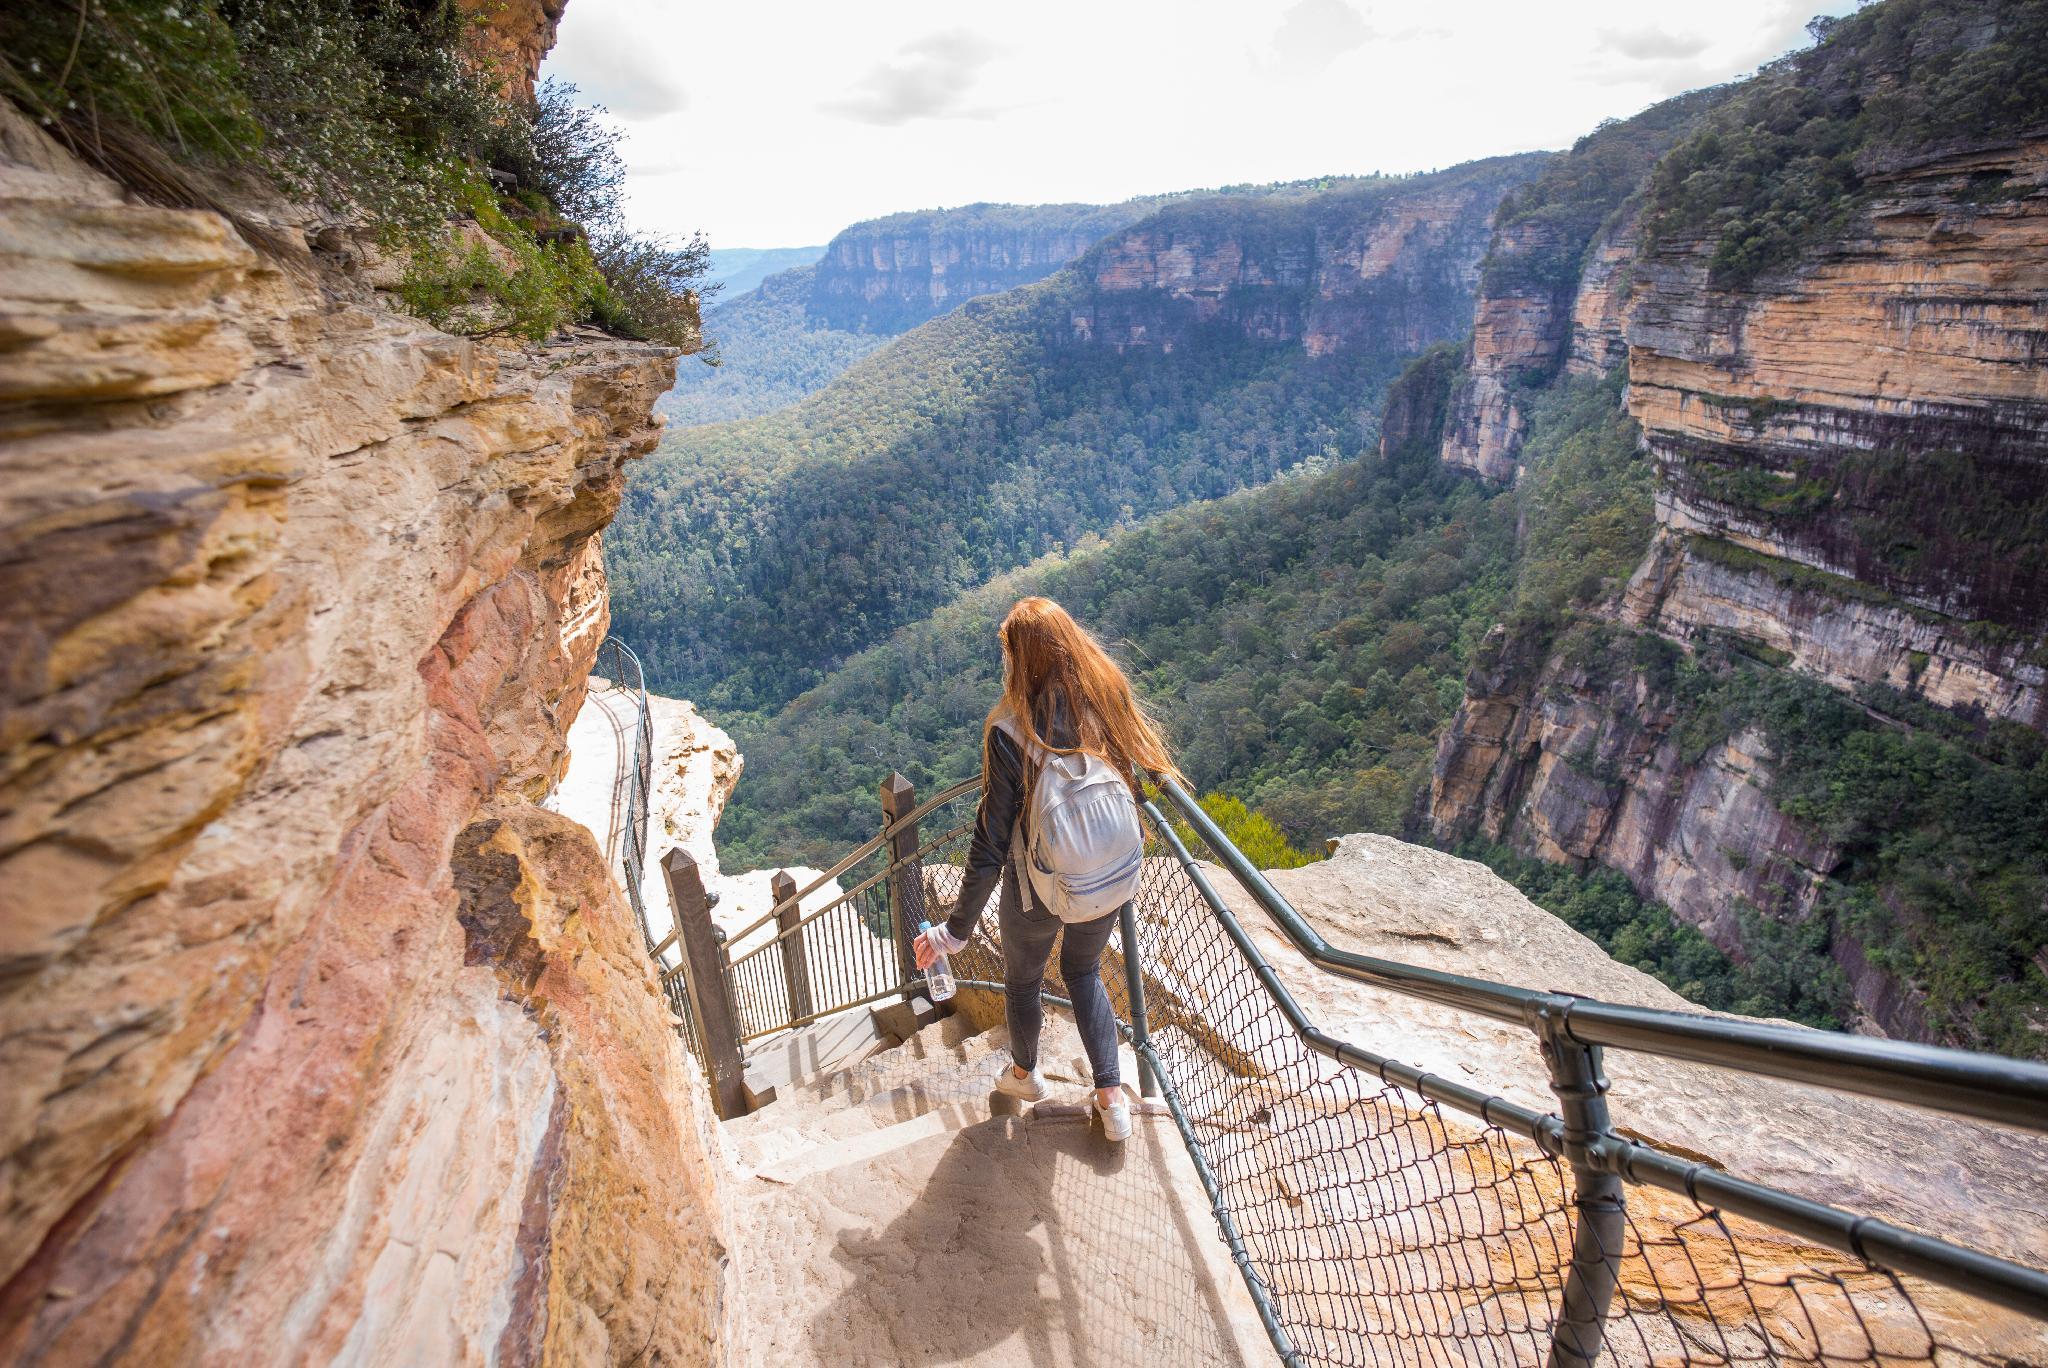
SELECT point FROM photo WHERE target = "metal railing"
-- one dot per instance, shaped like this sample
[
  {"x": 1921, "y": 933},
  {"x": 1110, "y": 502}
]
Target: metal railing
[
  {"x": 618, "y": 670},
  {"x": 790, "y": 966},
  {"x": 1382, "y": 1214}
]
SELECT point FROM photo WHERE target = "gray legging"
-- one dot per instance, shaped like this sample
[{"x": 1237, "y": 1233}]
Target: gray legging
[{"x": 1027, "y": 946}]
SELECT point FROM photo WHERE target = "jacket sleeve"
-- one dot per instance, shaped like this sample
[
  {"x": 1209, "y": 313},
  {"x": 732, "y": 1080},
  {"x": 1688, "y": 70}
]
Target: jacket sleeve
[{"x": 993, "y": 823}]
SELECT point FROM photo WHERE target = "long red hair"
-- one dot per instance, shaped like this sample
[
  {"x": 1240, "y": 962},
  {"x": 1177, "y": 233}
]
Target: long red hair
[{"x": 1044, "y": 649}]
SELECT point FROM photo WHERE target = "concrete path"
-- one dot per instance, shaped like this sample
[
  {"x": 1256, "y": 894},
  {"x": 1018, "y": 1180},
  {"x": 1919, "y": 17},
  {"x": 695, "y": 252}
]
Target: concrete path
[{"x": 885, "y": 1216}]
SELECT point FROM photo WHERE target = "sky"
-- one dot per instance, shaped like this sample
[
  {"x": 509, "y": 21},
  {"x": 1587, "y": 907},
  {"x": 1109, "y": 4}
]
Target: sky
[{"x": 768, "y": 123}]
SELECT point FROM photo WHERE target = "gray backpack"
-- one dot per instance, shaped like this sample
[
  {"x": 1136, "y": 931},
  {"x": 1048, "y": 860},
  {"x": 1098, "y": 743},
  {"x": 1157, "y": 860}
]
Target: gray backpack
[{"x": 1086, "y": 849}]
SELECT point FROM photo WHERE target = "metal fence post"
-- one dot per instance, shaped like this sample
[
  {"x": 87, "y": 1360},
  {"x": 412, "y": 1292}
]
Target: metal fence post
[
  {"x": 1134, "y": 984},
  {"x": 710, "y": 993},
  {"x": 1579, "y": 1080},
  {"x": 796, "y": 964},
  {"x": 906, "y": 882}
]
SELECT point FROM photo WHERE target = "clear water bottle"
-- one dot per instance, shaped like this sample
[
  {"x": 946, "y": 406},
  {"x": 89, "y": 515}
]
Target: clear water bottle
[{"x": 938, "y": 980}]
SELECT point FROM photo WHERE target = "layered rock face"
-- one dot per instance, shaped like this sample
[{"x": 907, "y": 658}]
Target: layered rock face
[
  {"x": 1850, "y": 455},
  {"x": 319, "y": 1040},
  {"x": 1518, "y": 333},
  {"x": 1388, "y": 268},
  {"x": 889, "y": 275},
  {"x": 1812, "y": 417}
]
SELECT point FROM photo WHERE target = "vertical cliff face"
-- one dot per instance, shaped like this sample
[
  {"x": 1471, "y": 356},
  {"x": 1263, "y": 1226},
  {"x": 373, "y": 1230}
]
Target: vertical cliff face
[
  {"x": 319, "y": 1039},
  {"x": 888, "y": 275},
  {"x": 1851, "y": 456},
  {"x": 1386, "y": 267},
  {"x": 1552, "y": 286}
]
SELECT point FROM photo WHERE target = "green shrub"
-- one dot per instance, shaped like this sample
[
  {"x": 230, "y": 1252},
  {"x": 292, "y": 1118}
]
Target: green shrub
[
  {"x": 373, "y": 111},
  {"x": 1784, "y": 163},
  {"x": 1252, "y": 832}
]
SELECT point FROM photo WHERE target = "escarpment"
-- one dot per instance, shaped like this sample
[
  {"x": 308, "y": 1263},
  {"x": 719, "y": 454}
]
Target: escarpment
[
  {"x": 1850, "y": 452},
  {"x": 888, "y": 275},
  {"x": 321, "y": 1041},
  {"x": 1552, "y": 282},
  {"x": 1384, "y": 267}
]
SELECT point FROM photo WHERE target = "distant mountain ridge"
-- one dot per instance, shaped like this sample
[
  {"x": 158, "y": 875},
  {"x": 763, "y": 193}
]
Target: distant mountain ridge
[
  {"x": 753, "y": 557},
  {"x": 737, "y": 270}
]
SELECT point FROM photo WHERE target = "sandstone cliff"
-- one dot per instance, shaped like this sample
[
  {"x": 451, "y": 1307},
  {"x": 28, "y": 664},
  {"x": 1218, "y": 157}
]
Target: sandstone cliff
[
  {"x": 1550, "y": 292},
  {"x": 1387, "y": 267},
  {"x": 890, "y": 274},
  {"x": 319, "y": 1040},
  {"x": 1851, "y": 458}
]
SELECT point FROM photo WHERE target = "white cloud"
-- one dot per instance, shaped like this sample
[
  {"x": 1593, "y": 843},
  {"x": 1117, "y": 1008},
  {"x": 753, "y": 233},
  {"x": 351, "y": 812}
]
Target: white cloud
[
  {"x": 928, "y": 79},
  {"x": 1652, "y": 44},
  {"x": 778, "y": 122},
  {"x": 1315, "y": 33}
]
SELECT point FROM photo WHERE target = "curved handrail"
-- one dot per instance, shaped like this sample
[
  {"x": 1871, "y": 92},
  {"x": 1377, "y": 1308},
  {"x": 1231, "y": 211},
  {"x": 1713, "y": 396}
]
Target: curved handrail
[
  {"x": 1874, "y": 1241},
  {"x": 2011, "y": 1092},
  {"x": 858, "y": 853},
  {"x": 863, "y": 886}
]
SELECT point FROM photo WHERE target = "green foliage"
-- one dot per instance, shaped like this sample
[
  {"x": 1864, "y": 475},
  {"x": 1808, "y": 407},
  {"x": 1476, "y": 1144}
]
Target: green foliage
[
  {"x": 1785, "y": 971},
  {"x": 499, "y": 281},
  {"x": 1586, "y": 501},
  {"x": 647, "y": 287},
  {"x": 172, "y": 72},
  {"x": 1252, "y": 832},
  {"x": 767, "y": 356},
  {"x": 750, "y": 558},
  {"x": 1544, "y": 229},
  {"x": 1303, "y": 642},
  {"x": 1783, "y": 163},
  {"x": 374, "y": 111}
]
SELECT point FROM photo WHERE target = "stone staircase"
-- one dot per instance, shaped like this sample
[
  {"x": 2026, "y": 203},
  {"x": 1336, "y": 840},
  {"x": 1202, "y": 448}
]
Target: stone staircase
[{"x": 891, "y": 1209}]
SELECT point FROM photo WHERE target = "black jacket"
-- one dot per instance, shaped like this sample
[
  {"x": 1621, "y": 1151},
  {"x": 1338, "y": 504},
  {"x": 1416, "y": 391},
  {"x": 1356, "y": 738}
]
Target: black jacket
[{"x": 1001, "y": 814}]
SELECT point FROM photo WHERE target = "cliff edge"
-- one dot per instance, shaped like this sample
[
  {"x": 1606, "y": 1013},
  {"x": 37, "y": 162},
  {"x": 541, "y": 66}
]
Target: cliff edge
[{"x": 319, "y": 1039}]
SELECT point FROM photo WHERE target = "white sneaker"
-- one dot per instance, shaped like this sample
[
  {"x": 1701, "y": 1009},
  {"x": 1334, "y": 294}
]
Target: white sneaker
[
  {"x": 1116, "y": 1117},
  {"x": 1030, "y": 1088}
]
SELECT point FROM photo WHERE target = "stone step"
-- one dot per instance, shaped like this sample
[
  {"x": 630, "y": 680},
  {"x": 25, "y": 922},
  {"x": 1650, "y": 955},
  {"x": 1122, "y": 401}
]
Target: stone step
[
  {"x": 943, "y": 1068},
  {"x": 1026, "y": 1240},
  {"x": 798, "y": 1058}
]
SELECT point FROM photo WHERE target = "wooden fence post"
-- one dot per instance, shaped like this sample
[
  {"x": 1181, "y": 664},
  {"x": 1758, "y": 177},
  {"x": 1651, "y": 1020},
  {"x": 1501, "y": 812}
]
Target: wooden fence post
[
  {"x": 906, "y": 885},
  {"x": 796, "y": 963},
  {"x": 710, "y": 993}
]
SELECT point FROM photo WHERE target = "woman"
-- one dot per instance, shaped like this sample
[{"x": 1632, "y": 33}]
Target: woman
[{"x": 1061, "y": 694}]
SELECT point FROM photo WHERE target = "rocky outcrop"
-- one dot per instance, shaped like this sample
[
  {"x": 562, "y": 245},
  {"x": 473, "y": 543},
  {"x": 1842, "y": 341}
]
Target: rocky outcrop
[
  {"x": 1599, "y": 331},
  {"x": 1519, "y": 331},
  {"x": 1852, "y": 460},
  {"x": 888, "y": 275},
  {"x": 318, "y": 1040},
  {"x": 514, "y": 36},
  {"x": 1959, "y": 1180},
  {"x": 1554, "y": 281},
  {"x": 1580, "y": 762},
  {"x": 1385, "y": 267}
]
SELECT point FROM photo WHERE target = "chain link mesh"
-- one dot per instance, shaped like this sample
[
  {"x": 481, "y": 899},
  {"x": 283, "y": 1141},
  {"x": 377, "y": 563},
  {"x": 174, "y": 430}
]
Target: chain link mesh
[{"x": 1380, "y": 1227}]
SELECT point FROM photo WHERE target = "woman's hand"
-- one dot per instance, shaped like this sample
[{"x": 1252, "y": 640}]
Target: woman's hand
[{"x": 933, "y": 943}]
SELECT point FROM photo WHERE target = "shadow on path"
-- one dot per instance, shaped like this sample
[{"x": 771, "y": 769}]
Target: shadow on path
[{"x": 1025, "y": 1242}]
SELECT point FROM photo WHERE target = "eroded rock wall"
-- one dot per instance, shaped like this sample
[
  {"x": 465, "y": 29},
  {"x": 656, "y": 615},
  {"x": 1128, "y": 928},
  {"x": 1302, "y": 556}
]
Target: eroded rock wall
[
  {"x": 889, "y": 275},
  {"x": 1391, "y": 270},
  {"x": 1847, "y": 453},
  {"x": 318, "y": 1041}
]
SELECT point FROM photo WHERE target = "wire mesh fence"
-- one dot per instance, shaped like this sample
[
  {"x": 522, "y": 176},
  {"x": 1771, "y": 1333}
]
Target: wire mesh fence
[{"x": 1380, "y": 1227}]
